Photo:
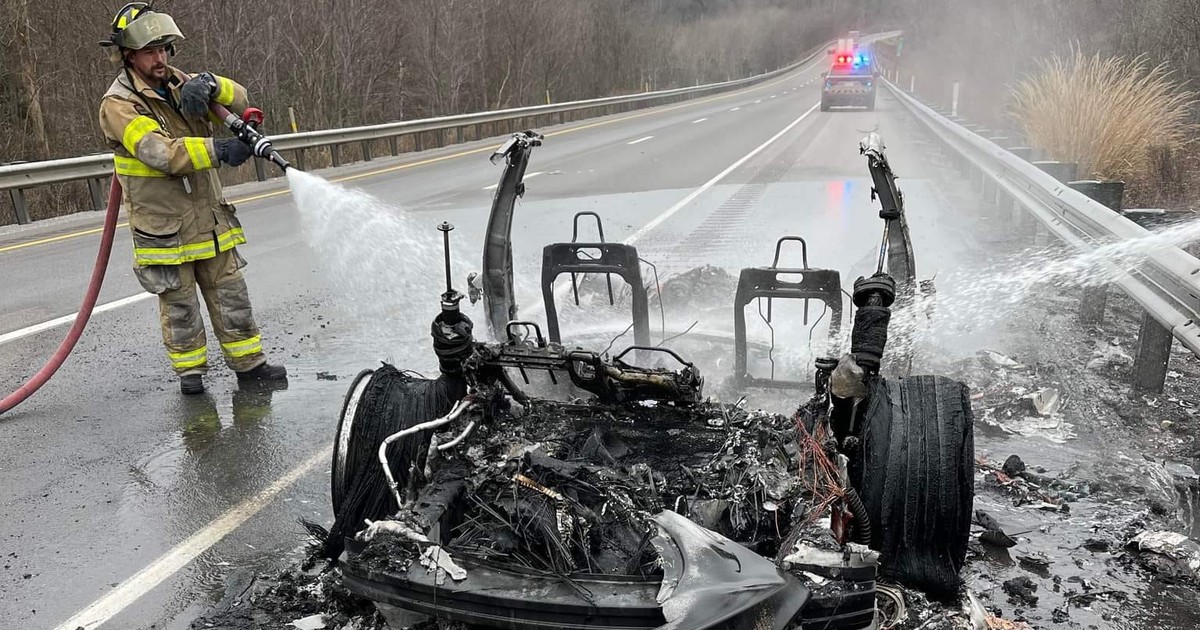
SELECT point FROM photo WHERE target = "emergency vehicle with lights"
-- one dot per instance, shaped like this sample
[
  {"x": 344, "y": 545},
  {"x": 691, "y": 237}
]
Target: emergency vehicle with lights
[{"x": 850, "y": 81}]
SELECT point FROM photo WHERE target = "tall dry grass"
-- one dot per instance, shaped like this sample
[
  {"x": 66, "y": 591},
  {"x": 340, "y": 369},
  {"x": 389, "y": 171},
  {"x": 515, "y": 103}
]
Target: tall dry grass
[{"x": 1107, "y": 114}]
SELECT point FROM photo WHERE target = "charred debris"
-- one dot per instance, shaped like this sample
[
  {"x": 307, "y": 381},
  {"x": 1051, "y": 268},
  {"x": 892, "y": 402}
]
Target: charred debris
[{"x": 534, "y": 485}]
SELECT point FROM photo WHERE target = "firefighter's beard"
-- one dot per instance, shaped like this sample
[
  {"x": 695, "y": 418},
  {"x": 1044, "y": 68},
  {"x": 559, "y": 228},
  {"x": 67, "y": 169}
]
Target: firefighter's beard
[
  {"x": 158, "y": 73},
  {"x": 155, "y": 76}
]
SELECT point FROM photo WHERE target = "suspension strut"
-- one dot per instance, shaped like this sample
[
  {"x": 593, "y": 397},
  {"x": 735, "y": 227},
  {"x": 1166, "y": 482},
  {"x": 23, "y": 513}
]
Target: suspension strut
[
  {"x": 873, "y": 298},
  {"x": 451, "y": 329}
]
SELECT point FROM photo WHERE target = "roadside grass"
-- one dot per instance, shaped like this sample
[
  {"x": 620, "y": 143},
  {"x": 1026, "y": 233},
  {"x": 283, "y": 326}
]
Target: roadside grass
[{"x": 1111, "y": 115}]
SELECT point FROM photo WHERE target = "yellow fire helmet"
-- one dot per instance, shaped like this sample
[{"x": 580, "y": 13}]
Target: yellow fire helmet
[{"x": 137, "y": 26}]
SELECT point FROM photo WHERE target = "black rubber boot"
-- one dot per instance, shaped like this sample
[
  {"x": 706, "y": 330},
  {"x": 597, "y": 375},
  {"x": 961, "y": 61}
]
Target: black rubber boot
[
  {"x": 264, "y": 372},
  {"x": 191, "y": 384}
]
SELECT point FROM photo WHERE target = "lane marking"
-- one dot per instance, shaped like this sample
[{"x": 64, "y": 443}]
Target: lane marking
[
  {"x": 528, "y": 176},
  {"x": 645, "y": 229},
  {"x": 640, "y": 140},
  {"x": 400, "y": 167},
  {"x": 60, "y": 237},
  {"x": 166, "y": 565},
  {"x": 758, "y": 101},
  {"x": 67, "y": 319},
  {"x": 735, "y": 109},
  {"x": 561, "y": 290},
  {"x": 699, "y": 120}
]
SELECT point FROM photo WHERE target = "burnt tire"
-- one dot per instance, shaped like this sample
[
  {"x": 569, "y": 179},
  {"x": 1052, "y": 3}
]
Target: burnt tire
[
  {"x": 918, "y": 479},
  {"x": 379, "y": 403},
  {"x": 342, "y": 440}
]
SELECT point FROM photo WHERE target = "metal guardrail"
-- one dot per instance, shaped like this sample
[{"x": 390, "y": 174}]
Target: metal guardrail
[
  {"x": 1167, "y": 285},
  {"x": 15, "y": 178}
]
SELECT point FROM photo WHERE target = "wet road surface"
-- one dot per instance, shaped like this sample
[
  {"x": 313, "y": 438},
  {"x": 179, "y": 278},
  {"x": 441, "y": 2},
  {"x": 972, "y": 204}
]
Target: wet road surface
[{"x": 109, "y": 469}]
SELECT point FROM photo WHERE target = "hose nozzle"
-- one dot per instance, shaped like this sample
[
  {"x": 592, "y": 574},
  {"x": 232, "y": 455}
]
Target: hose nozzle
[{"x": 246, "y": 130}]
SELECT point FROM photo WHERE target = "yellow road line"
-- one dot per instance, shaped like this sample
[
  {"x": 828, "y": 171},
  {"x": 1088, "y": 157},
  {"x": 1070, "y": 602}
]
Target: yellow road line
[{"x": 400, "y": 167}]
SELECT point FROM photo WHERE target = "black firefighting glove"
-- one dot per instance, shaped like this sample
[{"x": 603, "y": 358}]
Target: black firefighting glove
[
  {"x": 195, "y": 95},
  {"x": 232, "y": 151}
]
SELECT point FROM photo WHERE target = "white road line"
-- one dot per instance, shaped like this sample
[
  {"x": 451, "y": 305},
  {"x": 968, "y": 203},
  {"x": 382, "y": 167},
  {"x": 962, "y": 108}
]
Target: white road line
[
  {"x": 527, "y": 176},
  {"x": 735, "y": 109},
  {"x": 758, "y": 101},
  {"x": 153, "y": 574},
  {"x": 645, "y": 229},
  {"x": 561, "y": 290},
  {"x": 699, "y": 120},
  {"x": 67, "y": 319},
  {"x": 772, "y": 96},
  {"x": 640, "y": 140}
]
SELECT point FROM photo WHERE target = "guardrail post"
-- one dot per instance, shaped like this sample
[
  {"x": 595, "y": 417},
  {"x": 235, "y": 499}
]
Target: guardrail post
[
  {"x": 96, "y": 190},
  {"x": 418, "y": 143},
  {"x": 990, "y": 191},
  {"x": 1153, "y": 356},
  {"x": 1149, "y": 218},
  {"x": 1025, "y": 153},
  {"x": 301, "y": 154},
  {"x": 912, "y": 84},
  {"x": 260, "y": 171},
  {"x": 1007, "y": 205},
  {"x": 1063, "y": 172},
  {"x": 1111, "y": 194},
  {"x": 968, "y": 169},
  {"x": 394, "y": 145},
  {"x": 335, "y": 155},
  {"x": 366, "y": 150},
  {"x": 18, "y": 200}
]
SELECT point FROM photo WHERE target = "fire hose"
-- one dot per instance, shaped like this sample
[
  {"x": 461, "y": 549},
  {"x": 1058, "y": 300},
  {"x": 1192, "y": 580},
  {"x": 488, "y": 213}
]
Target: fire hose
[{"x": 246, "y": 129}]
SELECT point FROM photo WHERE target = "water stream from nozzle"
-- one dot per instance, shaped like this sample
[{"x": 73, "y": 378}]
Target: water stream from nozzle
[
  {"x": 382, "y": 265},
  {"x": 972, "y": 303}
]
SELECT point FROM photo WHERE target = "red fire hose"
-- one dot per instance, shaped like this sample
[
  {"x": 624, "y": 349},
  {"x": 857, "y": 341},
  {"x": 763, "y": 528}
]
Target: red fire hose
[{"x": 85, "y": 310}]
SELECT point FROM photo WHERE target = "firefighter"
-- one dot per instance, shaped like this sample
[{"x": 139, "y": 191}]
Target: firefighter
[{"x": 185, "y": 235}]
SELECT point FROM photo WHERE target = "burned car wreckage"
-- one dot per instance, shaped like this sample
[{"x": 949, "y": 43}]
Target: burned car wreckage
[{"x": 535, "y": 484}]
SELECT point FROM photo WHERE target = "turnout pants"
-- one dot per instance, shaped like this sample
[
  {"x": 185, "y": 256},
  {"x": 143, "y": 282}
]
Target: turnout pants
[{"x": 220, "y": 281}]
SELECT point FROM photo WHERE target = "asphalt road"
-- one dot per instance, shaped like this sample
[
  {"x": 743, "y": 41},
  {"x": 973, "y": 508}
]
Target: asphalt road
[{"x": 113, "y": 482}]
